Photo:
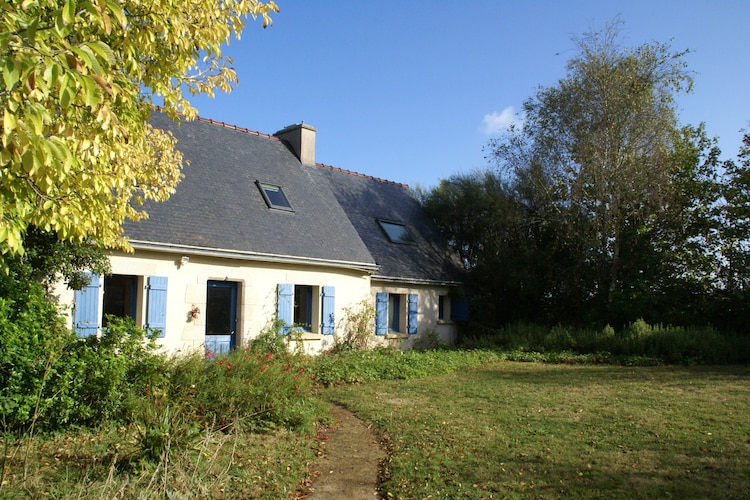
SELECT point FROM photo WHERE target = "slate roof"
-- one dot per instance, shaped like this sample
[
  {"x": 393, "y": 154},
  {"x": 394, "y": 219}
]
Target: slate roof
[
  {"x": 218, "y": 208},
  {"x": 366, "y": 200}
]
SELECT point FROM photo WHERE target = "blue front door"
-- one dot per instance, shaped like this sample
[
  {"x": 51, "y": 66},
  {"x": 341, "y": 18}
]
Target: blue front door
[{"x": 221, "y": 316}]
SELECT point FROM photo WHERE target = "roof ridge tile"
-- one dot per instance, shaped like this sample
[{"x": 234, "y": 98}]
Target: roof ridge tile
[
  {"x": 358, "y": 174},
  {"x": 271, "y": 136}
]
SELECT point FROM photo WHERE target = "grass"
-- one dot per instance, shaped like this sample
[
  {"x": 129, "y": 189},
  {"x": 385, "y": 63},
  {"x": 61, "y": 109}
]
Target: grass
[
  {"x": 459, "y": 424},
  {"x": 88, "y": 464},
  {"x": 531, "y": 430}
]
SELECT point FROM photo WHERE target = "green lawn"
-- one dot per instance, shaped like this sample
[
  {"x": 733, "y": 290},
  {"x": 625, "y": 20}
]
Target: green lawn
[{"x": 533, "y": 430}]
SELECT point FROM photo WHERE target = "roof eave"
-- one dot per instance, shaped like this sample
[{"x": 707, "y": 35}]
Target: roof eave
[
  {"x": 251, "y": 256},
  {"x": 416, "y": 281}
]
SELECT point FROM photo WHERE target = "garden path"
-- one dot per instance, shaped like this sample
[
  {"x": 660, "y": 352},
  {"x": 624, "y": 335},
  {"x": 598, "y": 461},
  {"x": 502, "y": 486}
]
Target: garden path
[{"x": 349, "y": 462}]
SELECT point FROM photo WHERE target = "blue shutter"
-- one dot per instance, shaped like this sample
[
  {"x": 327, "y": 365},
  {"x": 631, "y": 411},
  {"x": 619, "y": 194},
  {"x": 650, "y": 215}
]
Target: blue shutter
[
  {"x": 411, "y": 327},
  {"x": 285, "y": 306},
  {"x": 86, "y": 317},
  {"x": 460, "y": 308},
  {"x": 381, "y": 313},
  {"x": 156, "y": 310},
  {"x": 327, "y": 323}
]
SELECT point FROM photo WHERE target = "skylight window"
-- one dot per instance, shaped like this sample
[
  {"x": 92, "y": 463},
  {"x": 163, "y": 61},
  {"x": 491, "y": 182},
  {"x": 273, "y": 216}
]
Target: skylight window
[
  {"x": 396, "y": 232},
  {"x": 274, "y": 196}
]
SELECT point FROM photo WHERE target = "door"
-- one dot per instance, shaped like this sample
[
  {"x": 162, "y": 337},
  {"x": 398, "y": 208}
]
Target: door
[{"x": 221, "y": 316}]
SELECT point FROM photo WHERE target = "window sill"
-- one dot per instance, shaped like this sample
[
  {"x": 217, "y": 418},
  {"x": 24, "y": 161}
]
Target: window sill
[
  {"x": 396, "y": 335},
  {"x": 444, "y": 322},
  {"x": 307, "y": 336}
]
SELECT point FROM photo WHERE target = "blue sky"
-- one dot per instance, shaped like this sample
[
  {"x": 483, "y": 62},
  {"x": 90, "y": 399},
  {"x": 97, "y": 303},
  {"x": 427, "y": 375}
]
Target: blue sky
[{"x": 412, "y": 91}]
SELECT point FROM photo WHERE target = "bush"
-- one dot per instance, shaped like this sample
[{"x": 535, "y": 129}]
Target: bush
[
  {"x": 356, "y": 328},
  {"x": 391, "y": 364},
  {"x": 638, "y": 343},
  {"x": 106, "y": 375},
  {"x": 33, "y": 339},
  {"x": 270, "y": 339},
  {"x": 252, "y": 389},
  {"x": 50, "y": 379}
]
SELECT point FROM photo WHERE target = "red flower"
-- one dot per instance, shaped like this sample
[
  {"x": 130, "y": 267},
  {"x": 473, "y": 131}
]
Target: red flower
[{"x": 269, "y": 355}]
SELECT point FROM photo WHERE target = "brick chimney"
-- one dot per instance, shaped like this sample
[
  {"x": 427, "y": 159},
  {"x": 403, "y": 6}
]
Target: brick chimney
[{"x": 301, "y": 138}]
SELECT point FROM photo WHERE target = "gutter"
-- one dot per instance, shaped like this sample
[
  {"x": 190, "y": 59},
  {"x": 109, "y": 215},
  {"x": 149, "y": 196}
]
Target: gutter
[
  {"x": 415, "y": 281},
  {"x": 251, "y": 256}
]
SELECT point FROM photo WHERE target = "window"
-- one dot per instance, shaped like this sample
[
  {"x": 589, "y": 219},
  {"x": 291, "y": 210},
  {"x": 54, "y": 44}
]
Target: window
[
  {"x": 303, "y": 307},
  {"x": 120, "y": 297},
  {"x": 396, "y": 313},
  {"x": 274, "y": 196},
  {"x": 123, "y": 296},
  {"x": 396, "y": 232},
  {"x": 308, "y": 307},
  {"x": 441, "y": 307}
]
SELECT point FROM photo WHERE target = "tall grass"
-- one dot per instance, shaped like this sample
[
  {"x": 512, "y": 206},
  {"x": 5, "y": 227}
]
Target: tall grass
[{"x": 638, "y": 340}]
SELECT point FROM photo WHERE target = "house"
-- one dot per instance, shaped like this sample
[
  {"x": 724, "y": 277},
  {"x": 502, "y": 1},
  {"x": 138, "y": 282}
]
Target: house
[{"x": 258, "y": 230}]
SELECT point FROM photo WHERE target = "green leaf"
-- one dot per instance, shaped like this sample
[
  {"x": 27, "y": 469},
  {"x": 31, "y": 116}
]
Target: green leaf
[
  {"x": 68, "y": 12},
  {"x": 88, "y": 57},
  {"x": 92, "y": 91},
  {"x": 116, "y": 9},
  {"x": 66, "y": 95},
  {"x": 103, "y": 51},
  {"x": 10, "y": 73},
  {"x": 10, "y": 122}
]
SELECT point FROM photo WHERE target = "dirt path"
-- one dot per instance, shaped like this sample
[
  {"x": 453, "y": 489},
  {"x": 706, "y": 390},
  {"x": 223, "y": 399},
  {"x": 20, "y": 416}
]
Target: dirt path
[{"x": 348, "y": 466}]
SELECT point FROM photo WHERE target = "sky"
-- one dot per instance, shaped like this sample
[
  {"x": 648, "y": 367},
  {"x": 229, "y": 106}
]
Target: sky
[{"x": 413, "y": 91}]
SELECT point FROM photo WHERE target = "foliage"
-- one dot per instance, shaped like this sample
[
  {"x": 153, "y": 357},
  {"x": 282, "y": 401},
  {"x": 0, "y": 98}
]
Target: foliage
[
  {"x": 108, "y": 463},
  {"x": 637, "y": 343},
  {"x": 390, "y": 364},
  {"x": 79, "y": 81},
  {"x": 357, "y": 327},
  {"x": 52, "y": 380},
  {"x": 247, "y": 389},
  {"x": 33, "y": 339},
  {"x": 270, "y": 339},
  {"x": 600, "y": 209},
  {"x": 48, "y": 259},
  {"x": 427, "y": 341},
  {"x": 106, "y": 374},
  {"x": 533, "y": 430}
]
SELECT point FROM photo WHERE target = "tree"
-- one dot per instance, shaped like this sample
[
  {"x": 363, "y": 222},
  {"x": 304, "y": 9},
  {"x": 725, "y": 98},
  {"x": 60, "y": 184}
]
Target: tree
[
  {"x": 602, "y": 140},
  {"x": 79, "y": 80},
  {"x": 735, "y": 227}
]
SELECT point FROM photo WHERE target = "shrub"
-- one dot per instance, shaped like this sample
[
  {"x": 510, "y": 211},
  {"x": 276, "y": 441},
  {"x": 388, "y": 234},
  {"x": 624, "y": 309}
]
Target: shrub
[
  {"x": 559, "y": 339},
  {"x": 270, "y": 339},
  {"x": 33, "y": 339},
  {"x": 107, "y": 374},
  {"x": 638, "y": 343},
  {"x": 251, "y": 389},
  {"x": 391, "y": 364},
  {"x": 427, "y": 341},
  {"x": 356, "y": 327}
]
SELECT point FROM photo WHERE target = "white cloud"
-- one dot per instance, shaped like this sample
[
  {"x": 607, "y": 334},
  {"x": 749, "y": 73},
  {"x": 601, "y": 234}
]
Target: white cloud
[{"x": 499, "y": 122}]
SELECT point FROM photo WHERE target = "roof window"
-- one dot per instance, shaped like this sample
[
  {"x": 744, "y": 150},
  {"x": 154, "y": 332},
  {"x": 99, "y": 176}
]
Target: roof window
[
  {"x": 396, "y": 232},
  {"x": 274, "y": 196}
]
